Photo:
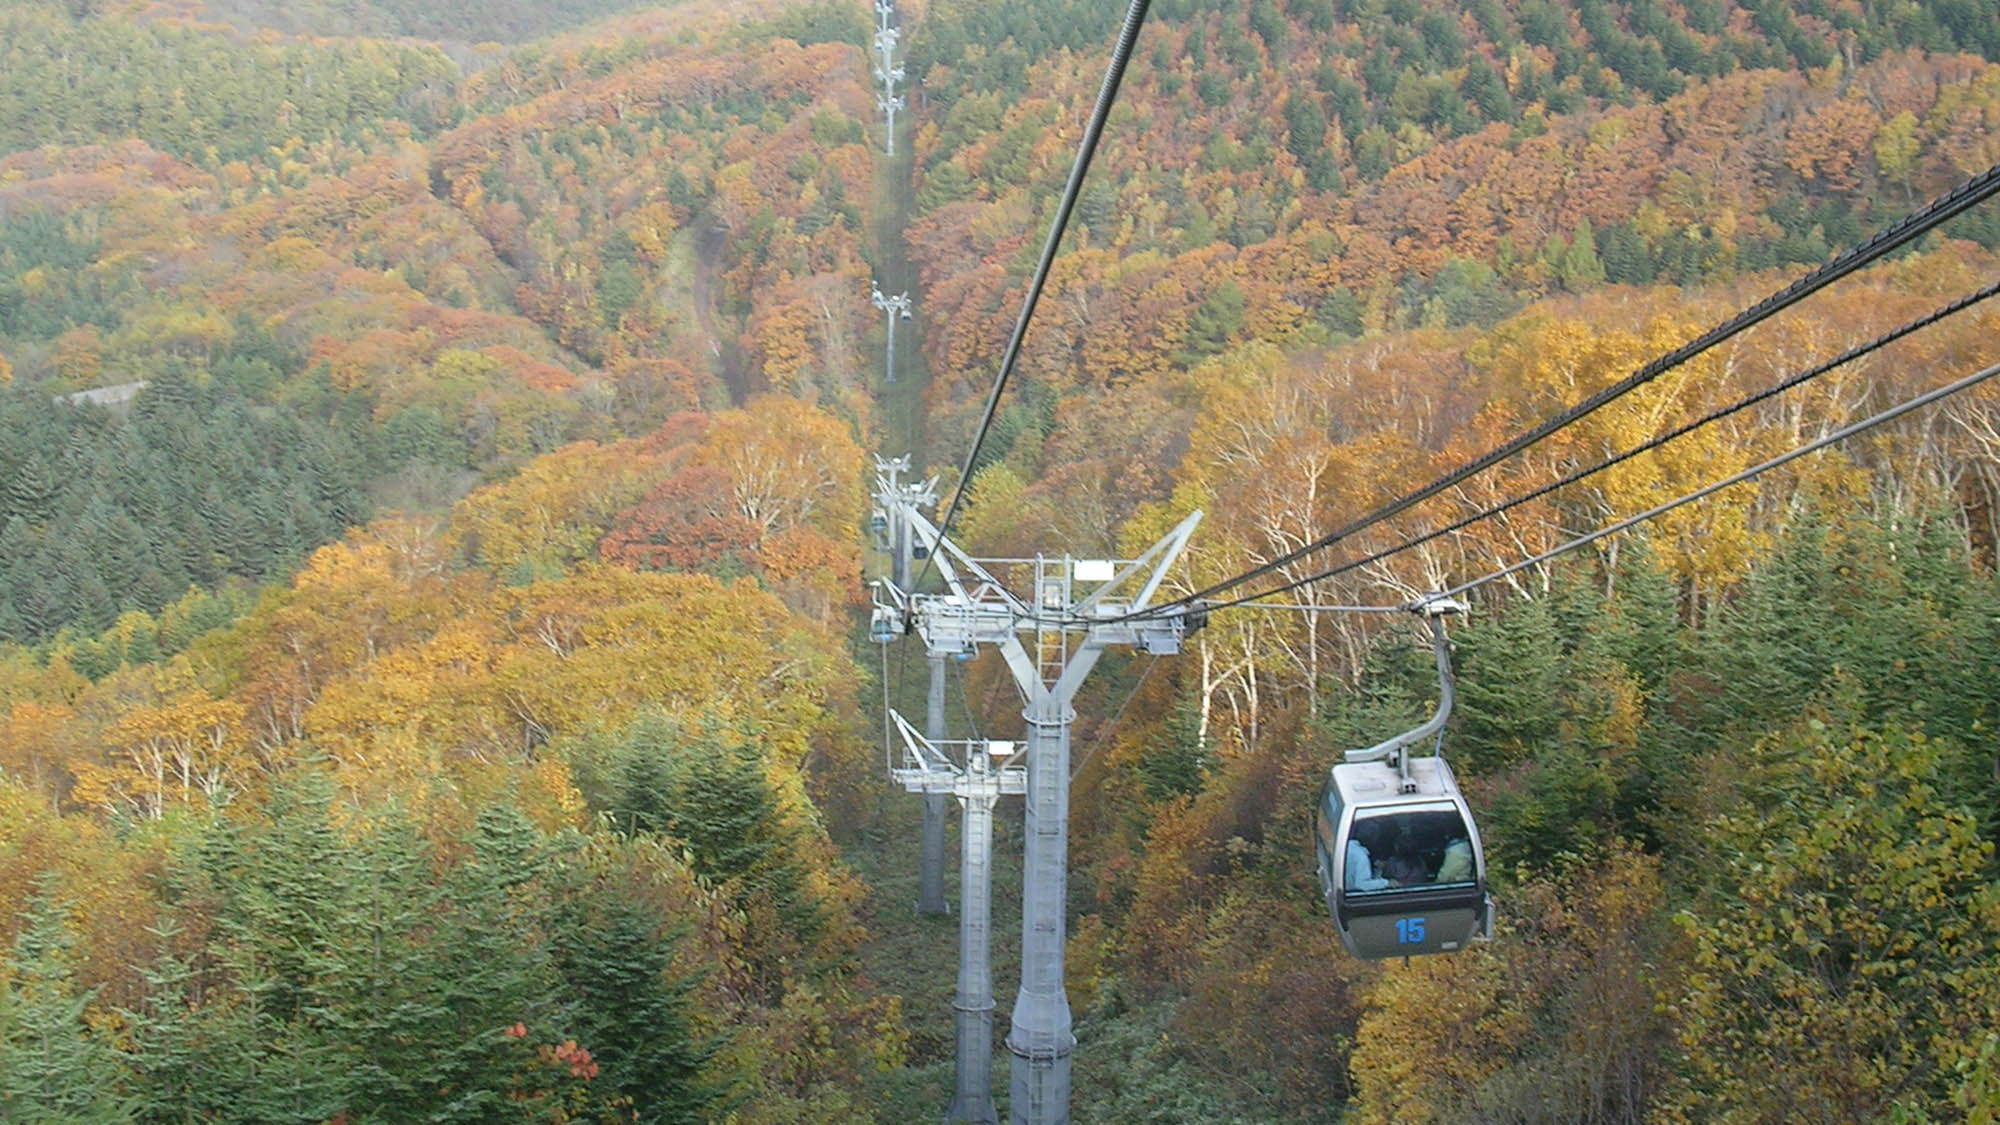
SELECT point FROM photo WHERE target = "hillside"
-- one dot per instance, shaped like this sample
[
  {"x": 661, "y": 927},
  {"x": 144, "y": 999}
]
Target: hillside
[
  {"x": 1227, "y": 213},
  {"x": 1288, "y": 302},
  {"x": 433, "y": 451},
  {"x": 444, "y": 303},
  {"x": 423, "y": 432}
]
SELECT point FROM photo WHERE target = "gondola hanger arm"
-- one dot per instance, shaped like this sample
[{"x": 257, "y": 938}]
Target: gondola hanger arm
[{"x": 1434, "y": 609}]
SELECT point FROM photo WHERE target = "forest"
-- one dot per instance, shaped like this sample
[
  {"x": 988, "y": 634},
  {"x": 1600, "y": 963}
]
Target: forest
[{"x": 434, "y": 451}]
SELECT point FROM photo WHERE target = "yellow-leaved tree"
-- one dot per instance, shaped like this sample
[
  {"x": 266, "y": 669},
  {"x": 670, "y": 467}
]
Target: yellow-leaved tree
[
  {"x": 1846, "y": 958},
  {"x": 1555, "y": 1021},
  {"x": 187, "y": 747},
  {"x": 789, "y": 463},
  {"x": 32, "y": 748},
  {"x": 551, "y": 514},
  {"x": 1538, "y": 366}
]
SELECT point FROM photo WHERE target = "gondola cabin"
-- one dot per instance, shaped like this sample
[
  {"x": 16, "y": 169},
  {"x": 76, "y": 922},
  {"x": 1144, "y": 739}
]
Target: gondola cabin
[
  {"x": 884, "y": 625},
  {"x": 1399, "y": 862}
]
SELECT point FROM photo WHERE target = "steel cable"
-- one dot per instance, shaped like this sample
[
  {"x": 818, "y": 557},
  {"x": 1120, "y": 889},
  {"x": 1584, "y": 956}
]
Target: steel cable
[
  {"x": 1135, "y": 17},
  {"x": 1905, "y": 230},
  {"x": 1842, "y": 434},
  {"x": 1807, "y": 375}
]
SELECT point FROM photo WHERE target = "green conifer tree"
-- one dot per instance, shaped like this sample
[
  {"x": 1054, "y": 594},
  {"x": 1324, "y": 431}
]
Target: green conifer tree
[
  {"x": 54, "y": 1067},
  {"x": 628, "y": 1006},
  {"x": 1176, "y": 765},
  {"x": 1509, "y": 685},
  {"x": 1579, "y": 268}
]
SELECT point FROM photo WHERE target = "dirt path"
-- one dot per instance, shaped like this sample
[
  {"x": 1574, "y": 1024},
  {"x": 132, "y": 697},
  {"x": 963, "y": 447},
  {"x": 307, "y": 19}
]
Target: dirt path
[
  {"x": 899, "y": 404},
  {"x": 918, "y": 954},
  {"x": 724, "y": 353}
]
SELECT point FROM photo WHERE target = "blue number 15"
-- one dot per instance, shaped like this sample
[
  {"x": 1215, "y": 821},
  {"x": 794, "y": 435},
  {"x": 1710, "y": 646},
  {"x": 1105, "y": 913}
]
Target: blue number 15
[{"x": 1410, "y": 931}]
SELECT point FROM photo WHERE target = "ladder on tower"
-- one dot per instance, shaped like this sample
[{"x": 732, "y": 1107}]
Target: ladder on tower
[{"x": 1052, "y": 589}]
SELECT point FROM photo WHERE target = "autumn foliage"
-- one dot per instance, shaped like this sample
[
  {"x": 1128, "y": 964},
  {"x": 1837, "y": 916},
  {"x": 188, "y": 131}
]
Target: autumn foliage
[{"x": 430, "y": 497}]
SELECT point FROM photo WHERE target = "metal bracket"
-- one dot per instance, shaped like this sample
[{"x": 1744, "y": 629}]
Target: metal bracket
[
  {"x": 1437, "y": 605},
  {"x": 1434, "y": 609},
  {"x": 980, "y": 767}
]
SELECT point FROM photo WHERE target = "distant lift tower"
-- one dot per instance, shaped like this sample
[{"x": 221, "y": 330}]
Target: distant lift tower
[
  {"x": 885, "y": 47},
  {"x": 978, "y": 773},
  {"x": 894, "y": 308},
  {"x": 889, "y": 104},
  {"x": 888, "y": 73},
  {"x": 1072, "y": 613},
  {"x": 891, "y": 494}
]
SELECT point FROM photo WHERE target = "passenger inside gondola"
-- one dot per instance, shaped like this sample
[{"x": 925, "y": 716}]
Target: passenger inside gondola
[
  {"x": 1413, "y": 848},
  {"x": 1362, "y": 845},
  {"x": 1405, "y": 866},
  {"x": 1457, "y": 865}
]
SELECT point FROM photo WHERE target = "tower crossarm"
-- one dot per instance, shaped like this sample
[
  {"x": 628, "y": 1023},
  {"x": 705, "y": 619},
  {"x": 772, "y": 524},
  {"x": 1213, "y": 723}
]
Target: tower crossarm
[
  {"x": 949, "y": 558},
  {"x": 958, "y": 623},
  {"x": 1154, "y": 564},
  {"x": 961, "y": 767}
]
